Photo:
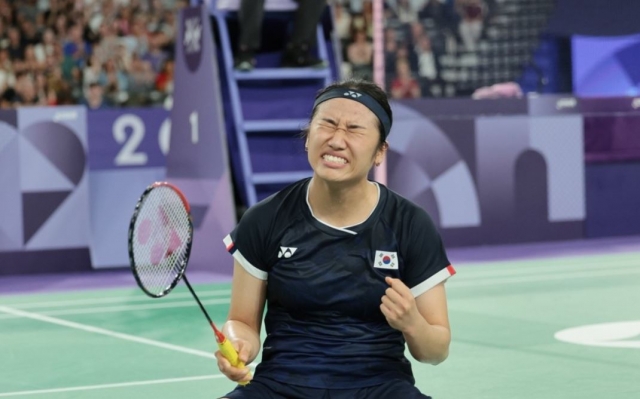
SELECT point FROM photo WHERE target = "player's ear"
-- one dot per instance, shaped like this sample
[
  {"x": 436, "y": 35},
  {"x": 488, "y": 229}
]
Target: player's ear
[{"x": 380, "y": 153}]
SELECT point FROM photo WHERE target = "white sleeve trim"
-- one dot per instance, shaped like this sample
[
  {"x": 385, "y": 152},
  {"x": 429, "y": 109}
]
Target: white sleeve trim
[
  {"x": 246, "y": 265},
  {"x": 432, "y": 281}
]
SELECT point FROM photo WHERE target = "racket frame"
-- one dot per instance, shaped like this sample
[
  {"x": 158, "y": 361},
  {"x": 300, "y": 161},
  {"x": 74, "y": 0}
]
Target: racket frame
[{"x": 132, "y": 225}]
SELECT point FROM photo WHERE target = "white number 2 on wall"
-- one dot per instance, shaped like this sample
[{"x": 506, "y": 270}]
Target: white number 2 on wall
[{"x": 128, "y": 154}]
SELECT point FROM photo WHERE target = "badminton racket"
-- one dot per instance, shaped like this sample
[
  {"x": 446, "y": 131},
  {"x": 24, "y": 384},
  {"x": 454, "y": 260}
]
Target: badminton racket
[{"x": 160, "y": 240}]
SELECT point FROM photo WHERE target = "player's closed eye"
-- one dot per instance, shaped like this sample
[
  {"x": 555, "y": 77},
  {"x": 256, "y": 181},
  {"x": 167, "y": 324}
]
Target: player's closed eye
[{"x": 333, "y": 127}]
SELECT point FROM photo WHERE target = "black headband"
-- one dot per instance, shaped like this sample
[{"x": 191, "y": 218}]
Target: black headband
[{"x": 363, "y": 99}]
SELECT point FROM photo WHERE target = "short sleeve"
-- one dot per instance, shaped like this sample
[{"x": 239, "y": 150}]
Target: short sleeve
[
  {"x": 247, "y": 242},
  {"x": 425, "y": 260}
]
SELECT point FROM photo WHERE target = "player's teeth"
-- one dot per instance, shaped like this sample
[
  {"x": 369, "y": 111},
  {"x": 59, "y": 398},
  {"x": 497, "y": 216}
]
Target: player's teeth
[{"x": 332, "y": 158}]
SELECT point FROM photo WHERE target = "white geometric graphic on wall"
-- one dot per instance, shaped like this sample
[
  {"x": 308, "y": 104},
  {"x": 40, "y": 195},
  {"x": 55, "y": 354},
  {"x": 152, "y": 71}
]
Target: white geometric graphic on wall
[{"x": 10, "y": 201}]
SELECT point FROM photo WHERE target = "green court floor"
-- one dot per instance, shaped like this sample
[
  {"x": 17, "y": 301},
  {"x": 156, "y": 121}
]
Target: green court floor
[{"x": 119, "y": 343}]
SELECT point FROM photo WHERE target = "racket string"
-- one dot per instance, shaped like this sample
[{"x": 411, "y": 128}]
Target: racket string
[{"x": 163, "y": 231}]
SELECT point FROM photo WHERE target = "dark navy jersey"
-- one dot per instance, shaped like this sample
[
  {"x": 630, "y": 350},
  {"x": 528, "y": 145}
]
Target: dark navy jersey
[{"x": 325, "y": 285}]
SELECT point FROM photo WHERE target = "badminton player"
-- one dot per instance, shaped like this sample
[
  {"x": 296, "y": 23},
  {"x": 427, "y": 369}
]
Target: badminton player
[{"x": 349, "y": 272}]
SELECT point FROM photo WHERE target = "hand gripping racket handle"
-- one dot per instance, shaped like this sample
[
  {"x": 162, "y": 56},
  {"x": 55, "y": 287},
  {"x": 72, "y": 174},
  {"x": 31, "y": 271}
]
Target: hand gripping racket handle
[{"x": 230, "y": 353}]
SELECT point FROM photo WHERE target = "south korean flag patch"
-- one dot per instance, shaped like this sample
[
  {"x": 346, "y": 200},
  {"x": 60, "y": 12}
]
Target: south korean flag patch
[{"x": 386, "y": 260}]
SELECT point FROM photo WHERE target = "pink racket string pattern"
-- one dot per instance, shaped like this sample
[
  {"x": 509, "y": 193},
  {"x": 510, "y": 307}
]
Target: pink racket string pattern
[{"x": 162, "y": 234}]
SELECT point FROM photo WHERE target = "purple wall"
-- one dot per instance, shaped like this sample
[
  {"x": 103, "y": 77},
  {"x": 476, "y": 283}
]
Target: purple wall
[
  {"x": 490, "y": 172},
  {"x": 198, "y": 162},
  {"x": 45, "y": 190},
  {"x": 485, "y": 178},
  {"x": 127, "y": 150}
]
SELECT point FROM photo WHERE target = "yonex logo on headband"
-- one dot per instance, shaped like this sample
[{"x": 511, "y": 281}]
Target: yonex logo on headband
[
  {"x": 364, "y": 99},
  {"x": 352, "y": 94}
]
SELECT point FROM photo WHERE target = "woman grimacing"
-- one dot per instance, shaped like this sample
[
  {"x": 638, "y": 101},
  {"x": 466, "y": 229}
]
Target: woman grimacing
[{"x": 349, "y": 271}]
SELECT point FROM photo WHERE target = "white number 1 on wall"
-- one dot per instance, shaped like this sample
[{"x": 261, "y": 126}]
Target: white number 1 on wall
[{"x": 193, "y": 120}]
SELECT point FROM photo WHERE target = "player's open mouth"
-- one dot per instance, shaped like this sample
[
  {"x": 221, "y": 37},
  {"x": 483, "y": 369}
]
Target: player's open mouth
[{"x": 334, "y": 159}]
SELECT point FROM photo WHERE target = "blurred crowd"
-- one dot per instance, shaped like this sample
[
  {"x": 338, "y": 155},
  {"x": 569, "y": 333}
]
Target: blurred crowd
[
  {"x": 110, "y": 53},
  {"x": 100, "y": 53},
  {"x": 417, "y": 34}
]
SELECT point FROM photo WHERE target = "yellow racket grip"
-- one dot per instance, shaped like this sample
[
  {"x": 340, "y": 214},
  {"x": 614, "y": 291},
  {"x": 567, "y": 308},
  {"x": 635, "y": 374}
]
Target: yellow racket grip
[{"x": 230, "y": 353}]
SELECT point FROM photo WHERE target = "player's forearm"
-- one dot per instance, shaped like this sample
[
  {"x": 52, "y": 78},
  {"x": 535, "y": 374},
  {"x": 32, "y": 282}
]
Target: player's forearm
[
  {"x": 428, "y": 343},
  {"x": 235, "y": 329}
]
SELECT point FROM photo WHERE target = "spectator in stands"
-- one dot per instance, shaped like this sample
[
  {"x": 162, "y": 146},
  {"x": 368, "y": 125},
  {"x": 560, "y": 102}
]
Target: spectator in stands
[
  {"x": 342, "y": 18},
  {"x": 141, "y": 80},
  {"x": 164, "y": 80},
  {"x": 390, "y": 50},
  {"x": 60, "y": 88},
  {"x": 109, "y": 42},
  {"x": 428, "y": 67},
  {"x": 60, "y": 23},
  {"x": 404, "y": 85},
  {"x": 438, "y": 12},
  {"x": 7, "y": 77},
  {"x": 92, "y": 71},
  {"x": 154, "y": 55},
  {"x": 31, "y": 62},
  {"x": 41, "y": 88},
  {"x": 138, "y": 41},
  {"x": 29, "y": 32},
  {"x": 115, "y": 82},
  {"x": 75, "y": 84},
  {"x": 360, "y": 55},
  {"x": 297, "y": 52},
  {"x": 28, "y": 10},
  {"x": 367, "y": 14},
  {"x": 75, "y": 49},
  {"x": 416, "y": 31},
  {"x": 405, "y": 12},
  {"x": 47, "y": 46},
  {"x": 123, "y": 57},
  {"x": 472, "y": 13},
  {"x": 26, "y": 90},
  {"x": 7, "y": 98},
  {"x": 123, "y": 21},
  {"x": 94, "y": 97},
  {"x": 16, "y": 45},
  {"x": 359, "y": 22}
]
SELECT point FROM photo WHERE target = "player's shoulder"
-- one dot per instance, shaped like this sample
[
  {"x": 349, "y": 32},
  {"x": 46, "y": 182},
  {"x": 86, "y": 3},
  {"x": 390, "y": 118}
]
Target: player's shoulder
[
  {"x": 397, "y": 206},
  {"x": 279, "y": 205}
]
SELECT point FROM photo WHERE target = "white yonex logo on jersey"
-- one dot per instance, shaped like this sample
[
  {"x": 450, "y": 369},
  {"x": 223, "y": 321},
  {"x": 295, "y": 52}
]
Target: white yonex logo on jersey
[
  {"x": 386, "y": 260},
  {"x": 286, "y": 252},
  {"x": 352, "y": 94}
]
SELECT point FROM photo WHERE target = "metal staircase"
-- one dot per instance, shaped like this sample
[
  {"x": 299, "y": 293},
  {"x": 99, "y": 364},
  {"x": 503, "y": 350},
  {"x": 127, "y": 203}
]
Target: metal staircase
[{"x": 245, "y": 126}]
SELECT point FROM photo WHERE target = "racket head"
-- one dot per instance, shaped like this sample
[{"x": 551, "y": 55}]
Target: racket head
[{"x": 160, "y": 238}]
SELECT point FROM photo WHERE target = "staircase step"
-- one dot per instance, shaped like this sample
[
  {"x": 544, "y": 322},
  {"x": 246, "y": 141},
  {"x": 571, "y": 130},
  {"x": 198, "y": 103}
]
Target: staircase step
[
  {"x": 283, "y": 74},
  {"x": 280, "y": 177},
  {"x": 274, "y": 125}
]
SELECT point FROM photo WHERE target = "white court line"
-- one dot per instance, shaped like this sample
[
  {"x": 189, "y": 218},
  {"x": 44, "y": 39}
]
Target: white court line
[
  {"x": 541, "y": 278},
  {"x": 96, "y": 301},
  {"x": 127, "y": 308},
  {"x": 108, "y": 386},
  {"x": 102, "y": 331},
  {"x": 498, "y": 268}
]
